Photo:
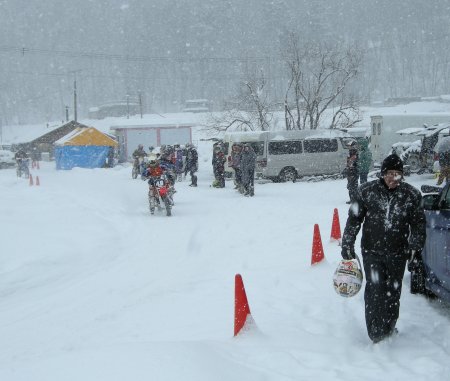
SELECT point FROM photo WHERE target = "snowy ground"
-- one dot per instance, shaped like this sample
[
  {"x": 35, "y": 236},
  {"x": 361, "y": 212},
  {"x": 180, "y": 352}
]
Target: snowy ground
[{"x": 94, "y": 288}]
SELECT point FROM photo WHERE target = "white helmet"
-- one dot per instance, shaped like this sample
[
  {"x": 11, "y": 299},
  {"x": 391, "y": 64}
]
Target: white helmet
[{"x": 347, "y": 278}]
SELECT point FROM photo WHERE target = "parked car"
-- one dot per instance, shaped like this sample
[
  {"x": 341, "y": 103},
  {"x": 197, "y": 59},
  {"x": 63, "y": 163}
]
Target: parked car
[
  {"x": 436, "y": 253},
  {"x": 6, "y": 159}
]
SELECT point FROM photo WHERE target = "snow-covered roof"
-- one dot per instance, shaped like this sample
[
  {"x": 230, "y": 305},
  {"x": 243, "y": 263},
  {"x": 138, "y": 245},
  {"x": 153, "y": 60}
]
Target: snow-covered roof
[
  {"x": 69, "y": 136},
  {"x": 410, "y": 131},
  {"x": 151, "y": 125}
]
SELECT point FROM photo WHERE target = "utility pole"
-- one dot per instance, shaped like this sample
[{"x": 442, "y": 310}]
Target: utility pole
[
  {"x": 67, "y": 113},
  {"x": 128, "y": 106},
  {"x": 75, "y": 107},
  {"x": 140, "y": 103},
  {"x": 75, "y": 116}
]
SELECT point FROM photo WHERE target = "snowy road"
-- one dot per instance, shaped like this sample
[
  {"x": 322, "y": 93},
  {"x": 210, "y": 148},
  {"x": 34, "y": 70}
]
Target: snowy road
[{"x": 94, "y": 288}]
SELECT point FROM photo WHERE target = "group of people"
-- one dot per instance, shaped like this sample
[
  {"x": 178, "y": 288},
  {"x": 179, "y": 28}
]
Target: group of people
[
  {"x": 173, "y": 160},
  {"x": 243, "y": 162}
]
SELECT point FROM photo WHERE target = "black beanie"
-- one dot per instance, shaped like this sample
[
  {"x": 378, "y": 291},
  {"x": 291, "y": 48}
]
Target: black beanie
[{"x": 393, "y": 163}]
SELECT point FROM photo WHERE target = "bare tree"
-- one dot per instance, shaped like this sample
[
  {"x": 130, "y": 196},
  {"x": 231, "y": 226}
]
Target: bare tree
[
  {"x": 320, "y": 78},
  {"x": 250, "y": 110}
]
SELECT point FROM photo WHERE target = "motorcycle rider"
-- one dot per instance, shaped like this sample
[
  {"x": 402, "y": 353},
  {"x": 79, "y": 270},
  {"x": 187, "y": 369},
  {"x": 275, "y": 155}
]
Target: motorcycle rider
[
  {"x": 21, "y": 158},
  {"x": 139, "y": 153},
  {"x": 20, "y": 155},
  {"x": 154, "y": 171},
  {"x": 166, "y": 161}
]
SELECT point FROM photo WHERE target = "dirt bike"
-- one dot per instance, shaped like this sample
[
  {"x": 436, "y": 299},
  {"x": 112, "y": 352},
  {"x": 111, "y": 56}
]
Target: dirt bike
[
  {"x": 160, "y": 191},
  {"x": 22, "y": 168},
  {"x": 138, "y": 165}
]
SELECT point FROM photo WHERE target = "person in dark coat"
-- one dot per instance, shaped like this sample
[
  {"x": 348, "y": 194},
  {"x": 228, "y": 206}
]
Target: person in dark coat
[
  {"x": 444, "y": 163},
  {"x": 235, "y": 163},
  {"x": 191, "y": 164},
  {"x": 218, "y": 163},
  {"x": 247, "y": 166},
  {"x": 393, "y": 231},
  {"x": 352, "y": 171}
]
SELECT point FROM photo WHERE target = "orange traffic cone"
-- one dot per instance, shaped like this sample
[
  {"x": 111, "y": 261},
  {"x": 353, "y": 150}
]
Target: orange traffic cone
[
  {"x": 31, "y": 179},
  {"x": 317, "y": 248},
  {"x": 241, "y": 307},
  {"x": 37, "y": 181},
  {"x": 336, "y": 228}
]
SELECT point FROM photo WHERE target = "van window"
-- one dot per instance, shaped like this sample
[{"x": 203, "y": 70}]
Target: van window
[
  {"x": 285, "y": 148},
  {"x": 320, "y": 145}
]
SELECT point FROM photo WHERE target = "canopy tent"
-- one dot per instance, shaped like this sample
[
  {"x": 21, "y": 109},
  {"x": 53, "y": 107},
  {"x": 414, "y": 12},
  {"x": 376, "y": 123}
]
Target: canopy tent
[{"x": 85, "y": 148}]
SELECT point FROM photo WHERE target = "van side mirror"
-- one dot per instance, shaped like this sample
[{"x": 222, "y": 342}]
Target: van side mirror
[{"x": 429, "y": 202}]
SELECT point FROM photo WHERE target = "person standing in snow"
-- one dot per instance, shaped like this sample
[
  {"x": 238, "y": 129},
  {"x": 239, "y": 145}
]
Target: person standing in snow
[
  {"x": 218, "y": 163},
  {"x": 364, "y": 161},
  {"x": 444, "y": 163},
  {"x": 393, "y": 232},
  {"x": 236, "y": 151},
  {"x": 352, "y": 171},
  {"x": 179, "y": 162},
  {"x": 191, "y": 164},
  {"x": 247, "y": 166}
]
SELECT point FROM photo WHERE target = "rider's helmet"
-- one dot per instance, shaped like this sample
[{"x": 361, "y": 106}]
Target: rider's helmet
[
  {"x": 347, "y": 278},
  {"x": 140, "y": 146}
]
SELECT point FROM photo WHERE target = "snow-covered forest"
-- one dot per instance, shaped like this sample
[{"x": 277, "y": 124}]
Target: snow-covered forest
[{"x": 164, "y": 52}]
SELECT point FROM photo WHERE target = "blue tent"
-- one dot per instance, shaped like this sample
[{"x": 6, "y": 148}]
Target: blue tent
[{"x": 84, "y": 148}]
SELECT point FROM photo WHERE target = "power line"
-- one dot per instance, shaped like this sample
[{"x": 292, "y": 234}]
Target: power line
[{"x": 121, "y": 57}]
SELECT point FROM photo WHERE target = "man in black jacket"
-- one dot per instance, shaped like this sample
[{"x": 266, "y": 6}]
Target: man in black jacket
[
  {"x": 191, "y": 164},
  {"x": 393, "y": 232}
]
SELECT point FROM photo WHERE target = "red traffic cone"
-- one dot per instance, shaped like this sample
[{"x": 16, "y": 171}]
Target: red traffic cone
[
  {"x": 241, "y": 307},
  {"x": 317, "y": 248},
  {"x": 335, "y": 228},
  {"x": 37, "y": 181},
  {"x": 31, "y": 179}
]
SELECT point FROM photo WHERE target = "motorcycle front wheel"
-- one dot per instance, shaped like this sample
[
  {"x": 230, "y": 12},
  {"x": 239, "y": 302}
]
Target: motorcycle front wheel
[
  {"x": 168, "y": 206},
  {"x": 134, "y": 173},
  {"x": 151, "y": 202}
]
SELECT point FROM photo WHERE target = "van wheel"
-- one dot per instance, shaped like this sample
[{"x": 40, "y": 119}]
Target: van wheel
[{"x": 288, "y": 174}]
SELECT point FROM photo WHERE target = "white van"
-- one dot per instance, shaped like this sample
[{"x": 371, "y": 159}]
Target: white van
[
  {"x": 294, "y": 154},
  {"x": 288, "y": 155}
]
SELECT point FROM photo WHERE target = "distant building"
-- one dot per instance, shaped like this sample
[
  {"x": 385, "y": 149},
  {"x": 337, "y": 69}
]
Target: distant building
[
  {"x": 197, "y": 105},
  {"x": 45, "y": 143},
  {"x": 115, "y": 109},
  {"x": 130, "y": 136}
]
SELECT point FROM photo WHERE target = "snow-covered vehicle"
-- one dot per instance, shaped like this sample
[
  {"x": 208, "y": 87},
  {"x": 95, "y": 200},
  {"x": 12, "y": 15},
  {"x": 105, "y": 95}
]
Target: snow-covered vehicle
[
  {"x": 418, "y": 154},
  {"x": 7, "y": 159}
]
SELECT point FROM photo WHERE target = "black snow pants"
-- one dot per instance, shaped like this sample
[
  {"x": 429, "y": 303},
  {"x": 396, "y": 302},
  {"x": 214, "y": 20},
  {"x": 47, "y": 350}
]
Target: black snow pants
[
  {"x": 384, "y": 275},
  {"x": 352, "y": 186}
]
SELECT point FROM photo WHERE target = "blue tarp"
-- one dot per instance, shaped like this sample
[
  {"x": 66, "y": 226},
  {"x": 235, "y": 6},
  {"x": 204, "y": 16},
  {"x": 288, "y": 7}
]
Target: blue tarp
[{"x": 68, "y": 157}]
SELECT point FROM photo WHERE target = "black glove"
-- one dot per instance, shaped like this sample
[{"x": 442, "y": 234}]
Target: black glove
[
  {"x": 414, "y": 260},
  {"x": 348, "y": 253}
]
